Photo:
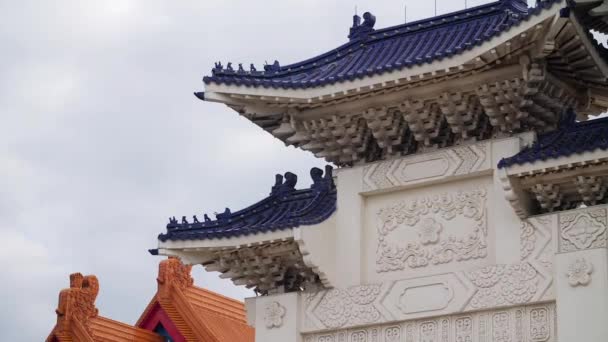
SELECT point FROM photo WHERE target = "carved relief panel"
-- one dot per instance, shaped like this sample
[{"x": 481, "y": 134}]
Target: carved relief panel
[
  {"x": 518, "y": 324},
  {"x": 582, "y": 229},
  {"x": 435, "y": 230},
  {"x": 416, "y": 232}
]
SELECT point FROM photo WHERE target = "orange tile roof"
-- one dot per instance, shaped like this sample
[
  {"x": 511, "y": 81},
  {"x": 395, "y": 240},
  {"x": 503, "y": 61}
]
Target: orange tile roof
[
  {"x": 78, "y": 319},
  {"x": 198, "y": 314}
]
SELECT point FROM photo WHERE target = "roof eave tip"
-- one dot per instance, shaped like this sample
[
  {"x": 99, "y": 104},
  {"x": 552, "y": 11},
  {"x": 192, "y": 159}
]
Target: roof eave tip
[
  {"x": 200, "y": 95},
  {"x": 153, "y": 251}
]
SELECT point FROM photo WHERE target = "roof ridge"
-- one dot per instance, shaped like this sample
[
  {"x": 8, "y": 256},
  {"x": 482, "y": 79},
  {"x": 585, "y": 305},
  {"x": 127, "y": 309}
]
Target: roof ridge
[
  {"x": 218, "y": 295},
  {"x": 569, "y": 139},
  {"x": 481, "y": 23},
  {"x": 285, "y": 207},
  {"x": 439, "y": 20},
  {"x": 106, "y": 325}
]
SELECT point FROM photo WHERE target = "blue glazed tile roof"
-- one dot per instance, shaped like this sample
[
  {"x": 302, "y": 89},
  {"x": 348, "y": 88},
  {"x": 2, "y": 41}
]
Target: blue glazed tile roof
[
  {"x": 284, "y": 208},
  {"x": 572, "y": 138},
  {"x": 371, "y": 52}
]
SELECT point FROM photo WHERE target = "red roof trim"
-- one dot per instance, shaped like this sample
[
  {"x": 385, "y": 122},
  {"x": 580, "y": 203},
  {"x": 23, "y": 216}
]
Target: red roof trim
[{"x": 158, "y": 315}]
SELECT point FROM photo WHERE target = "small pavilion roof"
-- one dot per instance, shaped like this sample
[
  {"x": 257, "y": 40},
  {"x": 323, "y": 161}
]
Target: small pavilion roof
[
  {"x": 187, "y": 312},
  {"x": 284, "y": 208},
  {"x": 570, "y": 139},
  {"x": 372, "y": 52}
]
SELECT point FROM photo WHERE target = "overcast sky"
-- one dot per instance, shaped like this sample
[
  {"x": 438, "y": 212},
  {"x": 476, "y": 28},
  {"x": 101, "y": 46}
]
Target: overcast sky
[{"x": 102, "y": 139}]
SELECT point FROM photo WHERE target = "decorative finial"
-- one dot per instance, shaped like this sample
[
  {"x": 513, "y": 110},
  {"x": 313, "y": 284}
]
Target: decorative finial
[
  {"x": 241, "y": 70},
  {"x": 195, "y": 219},
  {"x": 252, "y": 68},
  {"x": 291, "y": 179},
  {"x": 229, "y": 66},
  {"x": 206, "y": 217},
  {"x": 359, "y": 29},
  {"x": 369, "y": 20},
  {"x": 184, "y": 221},
  {"x": 274, "y": 67}
]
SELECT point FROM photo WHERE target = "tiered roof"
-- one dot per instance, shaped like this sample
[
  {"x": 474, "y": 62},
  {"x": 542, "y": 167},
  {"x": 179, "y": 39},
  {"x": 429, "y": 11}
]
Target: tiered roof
[
  {"x": 178, "y": 310},
  {"x": 493, "y": 70},
  {"x": 373, "y": 52},
  {"x": 572, "y": 138},
  {"x": 284, "y": 208}
]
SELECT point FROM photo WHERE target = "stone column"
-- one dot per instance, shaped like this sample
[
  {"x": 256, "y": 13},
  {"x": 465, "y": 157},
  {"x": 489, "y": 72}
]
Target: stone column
[{"x": 581, "y": 278}]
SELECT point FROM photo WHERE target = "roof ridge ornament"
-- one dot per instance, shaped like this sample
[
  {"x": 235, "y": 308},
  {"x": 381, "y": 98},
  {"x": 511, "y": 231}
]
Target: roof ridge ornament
[
  {"x": 361, "y": 30},
  {"x": 272, "y": 68},
  {"x": 285, "y": 207}
]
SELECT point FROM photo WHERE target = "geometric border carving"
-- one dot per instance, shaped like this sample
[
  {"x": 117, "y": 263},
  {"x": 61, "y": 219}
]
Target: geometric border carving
[
  {"x": 535, "y": 323},
  {"x": 582, "y": 229},
  {"x": 441, "y": 164}
]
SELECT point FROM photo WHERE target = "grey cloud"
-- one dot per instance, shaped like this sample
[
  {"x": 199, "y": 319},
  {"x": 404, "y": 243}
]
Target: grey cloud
[{"x": 104, "y": 139}]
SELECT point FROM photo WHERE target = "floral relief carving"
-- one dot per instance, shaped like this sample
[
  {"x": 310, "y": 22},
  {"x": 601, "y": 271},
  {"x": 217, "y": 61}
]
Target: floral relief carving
[
  {"x": 433, "y": 245},
  {"x": 348, "y": 307},
  {"x": 429, "y": 231},
  {"x": 582, "y": 230},
  {"x": 503, "y": 285},
  {"x": 579, "y": 272},
  {"x": 273, "y": 315}
]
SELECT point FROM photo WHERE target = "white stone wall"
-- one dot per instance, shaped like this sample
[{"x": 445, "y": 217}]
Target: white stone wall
[{"x": 427, "y": 248}]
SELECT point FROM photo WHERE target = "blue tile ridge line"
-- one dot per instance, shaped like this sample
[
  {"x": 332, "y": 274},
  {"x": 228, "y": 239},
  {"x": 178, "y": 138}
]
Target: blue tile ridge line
[
  {"x": 285, "y": 208},
  {"x": 394, "y": 48},
  {"x": 570, "y": 139}
]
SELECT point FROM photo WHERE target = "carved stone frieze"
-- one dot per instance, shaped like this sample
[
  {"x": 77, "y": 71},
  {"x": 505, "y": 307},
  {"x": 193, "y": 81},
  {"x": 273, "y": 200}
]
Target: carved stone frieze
[
  {"x": 434, "y": 244},
  {"x": 350, "y": 307},
  {"x": 582, "y": 229},
  {"x": 485, "y": 288},
  {"x": 501, "y": 285},
  {"x": 424, "y": 167},
  {"x": 519, "y": 324}
]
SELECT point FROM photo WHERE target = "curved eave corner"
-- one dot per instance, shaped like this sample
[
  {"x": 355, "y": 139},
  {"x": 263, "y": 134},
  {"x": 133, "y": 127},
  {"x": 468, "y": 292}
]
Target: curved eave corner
[
  {"x": 573, "y": 140},
  {"x": 274, "y": 217}
]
